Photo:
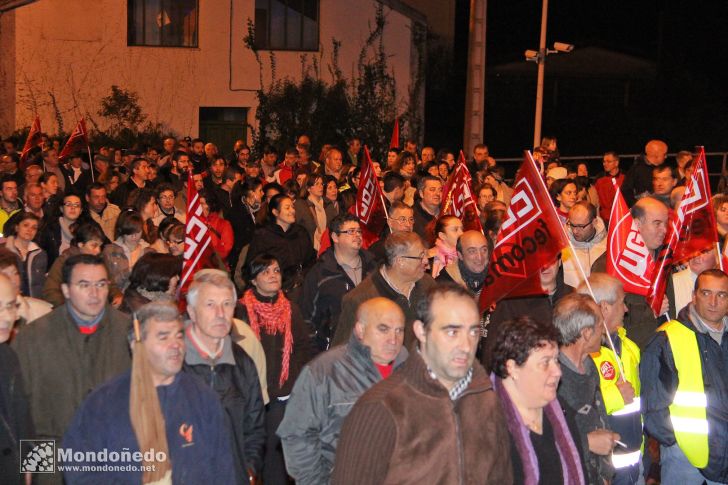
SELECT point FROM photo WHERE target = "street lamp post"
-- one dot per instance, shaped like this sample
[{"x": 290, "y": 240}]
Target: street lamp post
[{"x": 540, "y": 58}]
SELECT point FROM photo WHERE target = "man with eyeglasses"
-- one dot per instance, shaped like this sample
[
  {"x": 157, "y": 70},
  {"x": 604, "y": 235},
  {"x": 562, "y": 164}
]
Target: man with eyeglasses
[
  {"x": 165, "y": 200},
  {"x": 402, "y": 278},
  {"x": 401, "y": 219},
  {"x": 336, "y": 272},
  {"x": 71, "y": 350},
  {"x": 588, "y": 235}
]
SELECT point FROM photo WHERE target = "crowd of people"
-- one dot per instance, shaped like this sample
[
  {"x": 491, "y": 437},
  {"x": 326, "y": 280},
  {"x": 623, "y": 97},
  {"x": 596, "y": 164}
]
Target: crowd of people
[{"x": 303, "y": 356}]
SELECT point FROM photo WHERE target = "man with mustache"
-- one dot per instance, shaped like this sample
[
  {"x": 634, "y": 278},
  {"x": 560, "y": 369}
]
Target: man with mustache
[
  {"x": 198, "y": 441},
  {"x": 215, "y": 360}
]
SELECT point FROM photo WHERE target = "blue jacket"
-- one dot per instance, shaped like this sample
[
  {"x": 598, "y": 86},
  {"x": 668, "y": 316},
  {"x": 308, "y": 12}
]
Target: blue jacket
[
  {"x": 659, "y": 383},
  {"x": 197, "y": 433}
]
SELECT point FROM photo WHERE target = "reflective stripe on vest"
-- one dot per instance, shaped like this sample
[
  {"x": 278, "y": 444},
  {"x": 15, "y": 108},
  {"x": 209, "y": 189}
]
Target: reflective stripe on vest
[
  {"x": 688, "y": 409},
  {"x": 631, "y": 408},
  {"x": 623, "y": 460}
]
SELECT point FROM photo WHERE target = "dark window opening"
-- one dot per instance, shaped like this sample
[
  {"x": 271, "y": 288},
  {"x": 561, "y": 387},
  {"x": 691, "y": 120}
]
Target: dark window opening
[
  {"x": 287, "y": 24},
  {"x": 164, "y": 23}
]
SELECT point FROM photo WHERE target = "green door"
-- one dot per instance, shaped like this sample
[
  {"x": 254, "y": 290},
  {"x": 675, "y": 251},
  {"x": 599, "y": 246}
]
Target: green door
[{"x": 222, "y": 126}]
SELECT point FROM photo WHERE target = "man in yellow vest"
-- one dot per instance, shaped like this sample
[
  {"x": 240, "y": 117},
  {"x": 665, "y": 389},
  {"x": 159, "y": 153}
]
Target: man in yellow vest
[
  {"x": 684, "y": 374},
  {"x": 620, "y": 391}
]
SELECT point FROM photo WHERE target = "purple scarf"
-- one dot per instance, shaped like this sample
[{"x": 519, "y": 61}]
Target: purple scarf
[{"x": 570, "y": 461}]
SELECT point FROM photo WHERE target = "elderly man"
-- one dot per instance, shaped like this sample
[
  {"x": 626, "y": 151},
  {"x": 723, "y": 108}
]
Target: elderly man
[
  {"x": 588, "y": 235},
  {"x": 437, "y": 420},
  {"x": 217, "y": 362},
  {"x": 428, "y": 208},
  {"x": 198, "y": 440},
  {"x": 620, "y": 392},
  {"x": 638, "y": 181},
  {"x": 401, "y": 219},
  {"x": 327, "y": 388},
  {"x": 651, "y": 218},
  {"x": 579, "y": 321},
  {"x": 470, "y": 268},
  {"x": 401, "y": 278},
  {"x": 340, "y": 269},
  {"x": 334, "y": 165},
  {"x": 684, "y": 375},
  {"x": 71, "y": 350},
  {"x": 14, "y": 409}
]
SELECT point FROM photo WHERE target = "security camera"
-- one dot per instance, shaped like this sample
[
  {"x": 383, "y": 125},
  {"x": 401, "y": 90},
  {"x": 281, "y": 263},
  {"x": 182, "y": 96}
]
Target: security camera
[
  {"x": 561, "y": 47},
  {"x": 531, "y": 55}
]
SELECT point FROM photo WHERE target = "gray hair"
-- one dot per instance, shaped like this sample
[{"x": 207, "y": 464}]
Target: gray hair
[
  {"x": 572, "y": 314},
  {"x": 163, "y": 310},
  {"x": 214, "y": 277},
  {"x": 604, "y": 286},
  {"x": 397, "y": 244}
]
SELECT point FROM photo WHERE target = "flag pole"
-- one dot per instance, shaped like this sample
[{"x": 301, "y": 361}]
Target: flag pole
[
  {"x": 720, "y": 256},
  {"x": 90, "y": 162}
]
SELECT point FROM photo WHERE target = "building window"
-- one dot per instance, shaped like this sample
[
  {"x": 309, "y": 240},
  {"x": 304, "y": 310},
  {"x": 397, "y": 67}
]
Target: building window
[
  {"x": 287, "y": 24},
  {"x": 167, "y": 23}
]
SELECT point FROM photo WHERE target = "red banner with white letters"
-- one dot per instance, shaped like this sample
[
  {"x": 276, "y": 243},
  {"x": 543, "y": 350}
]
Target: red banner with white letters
[
  {"x": 198, "y": 243},
  {"x": 34, "y": 137},
  {"x": 76, "y": 142},
  {"x": 530, "y": 238},
  {"x": 369, "y": 206},
  {"x": 627, "y": 256},
  {"x": 458, "y": 197}
]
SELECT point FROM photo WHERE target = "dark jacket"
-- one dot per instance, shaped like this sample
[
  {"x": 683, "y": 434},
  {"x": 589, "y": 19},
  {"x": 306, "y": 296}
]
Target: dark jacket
[
  {"x": 235, "y": 380},
  {"x": 322, "y": 397},
  {"x": 121, "y": 194},
  {"x": 422, "y": 219},
  {"x": 293, "y": 250},
  {"x": 14, "y": 416},
  {"x": 79, "y": 186},
  {"x": 32, "y": 269},
  {"x": 323, "y": 289},
  {"x": 201, "y": 456},
  {"x": 243, "y": 223},
  {"x": 305, "y": 214},
  {"x": 639, "y": 321},
  {"x": 659, "y": 379},
  {"x": 372, "y": 286},
  {"x": 273, "y": 348},
  {"x": 61, "y": 366},
  {"x": 407, "y": 430},
  {"x": 637, "y": 181}
]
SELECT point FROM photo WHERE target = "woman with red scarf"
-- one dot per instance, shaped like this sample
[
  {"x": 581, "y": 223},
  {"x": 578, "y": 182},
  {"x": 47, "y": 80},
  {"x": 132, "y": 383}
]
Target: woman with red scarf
[{"x": 279, "y": 325}]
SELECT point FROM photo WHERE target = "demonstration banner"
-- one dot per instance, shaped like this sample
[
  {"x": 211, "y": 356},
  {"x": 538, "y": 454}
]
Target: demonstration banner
[
  {"x": 76, "y": 142},
  {"x": 691, "y": 231},
  {"x": 458, "y": 198},
  {"x": 628, "y": 259},
  {"x": 530, "y": 238},
  {"x": 33, "y": 140},
  {"x": 394, "y": 142}
]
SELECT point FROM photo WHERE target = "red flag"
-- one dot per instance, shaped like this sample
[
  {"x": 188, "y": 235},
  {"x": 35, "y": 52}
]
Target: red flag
[
  {"x": 530, "y": 237},
  {"x": 31, "y": 142},
  {"x": 198, "y": 243},
  {"x": 692, "y": 230},
  {"x": 458, "y": 198},
  {"x": 369, "y": 207},
  {"x": 627, "y": 256},
  {"x": 77, "y": 141},
  {"x": 394, "y": 142}
]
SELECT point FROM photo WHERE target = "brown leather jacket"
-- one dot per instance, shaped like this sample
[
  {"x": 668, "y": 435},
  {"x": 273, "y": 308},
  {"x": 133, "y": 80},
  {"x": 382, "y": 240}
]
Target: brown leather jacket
[{"x": 406, "y": 430}]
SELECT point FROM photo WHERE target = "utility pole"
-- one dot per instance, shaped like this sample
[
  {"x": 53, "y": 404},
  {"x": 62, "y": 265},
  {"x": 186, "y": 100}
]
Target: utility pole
[
  {"x": 475, "y": 84},
  {"x": 541, "y": 68}
]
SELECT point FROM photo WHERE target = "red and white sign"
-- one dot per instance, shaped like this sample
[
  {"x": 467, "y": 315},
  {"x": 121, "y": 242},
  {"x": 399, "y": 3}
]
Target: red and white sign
[{"x": 607, "y": 370}]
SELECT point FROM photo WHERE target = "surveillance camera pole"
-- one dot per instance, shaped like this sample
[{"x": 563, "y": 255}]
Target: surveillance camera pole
[{"x": 539, "y": 83}]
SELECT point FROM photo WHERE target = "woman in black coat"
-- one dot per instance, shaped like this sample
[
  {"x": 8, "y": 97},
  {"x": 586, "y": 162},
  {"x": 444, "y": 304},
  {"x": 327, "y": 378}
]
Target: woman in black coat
[{"x": 286, "y": 241}]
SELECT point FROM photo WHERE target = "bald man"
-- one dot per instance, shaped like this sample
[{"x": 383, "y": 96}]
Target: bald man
[
  {"x": 651, "y": 218},
  {"x": 638, "y": 181},
  {"x": 328, "y": 387},
  {"x": 472, "y": 264},
  {"x": 14, "y": 408}
]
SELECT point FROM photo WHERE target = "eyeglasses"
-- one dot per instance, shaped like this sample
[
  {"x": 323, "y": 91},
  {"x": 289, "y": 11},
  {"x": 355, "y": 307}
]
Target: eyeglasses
[
  {"x": 423, "y": 255},
  {"x": 86, "y": 285},
  {"x": 403, "y": 220},
  {"x": 351, "y": 232},
  {"x": 73, "y": 205},
  {"x": 579, "y": 226}
]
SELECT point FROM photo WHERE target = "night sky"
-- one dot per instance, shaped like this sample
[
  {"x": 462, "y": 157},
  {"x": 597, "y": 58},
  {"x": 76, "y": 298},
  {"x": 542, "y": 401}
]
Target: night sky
[{"x": 686, "y": 104}]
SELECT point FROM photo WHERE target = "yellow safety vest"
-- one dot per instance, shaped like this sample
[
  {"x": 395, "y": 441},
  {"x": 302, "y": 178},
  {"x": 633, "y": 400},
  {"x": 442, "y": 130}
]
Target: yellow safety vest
[
  {"x": 609, "y": 375},
  {"x": 688, "y": 411}
]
